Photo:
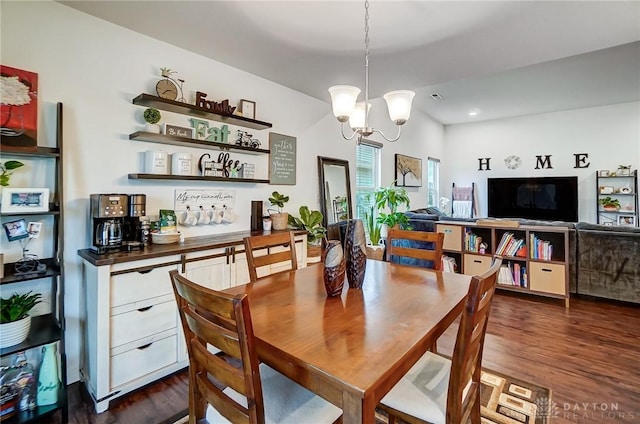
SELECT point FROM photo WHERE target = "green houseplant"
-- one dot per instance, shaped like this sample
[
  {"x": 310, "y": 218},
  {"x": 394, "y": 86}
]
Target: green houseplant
[
  {"x": 311, "y": 222},
  {"x": 375, "y": 250},
  {"x": 392, "y": 197},
  {"x": 9, "y": 165},
  {"x": 15, "y": 320},
  {"x": 609, "y": 203},
  {"x": 280, "y": 219},
  {"x": 152, "y": 117}
]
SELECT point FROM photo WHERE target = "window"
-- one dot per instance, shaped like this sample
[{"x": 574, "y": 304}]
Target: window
[
  {"x": 367, "y": 173},
  {"x": 433, "y": 182}
]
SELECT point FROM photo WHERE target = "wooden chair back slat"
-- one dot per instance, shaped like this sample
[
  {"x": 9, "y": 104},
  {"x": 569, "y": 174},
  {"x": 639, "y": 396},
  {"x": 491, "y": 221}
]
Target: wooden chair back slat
[
  {"x": 467, "y": 353},
  {"x": 435, "y": 255},
  {"x": 223, "y": 321},
  {"x": 270, "y": 242}
]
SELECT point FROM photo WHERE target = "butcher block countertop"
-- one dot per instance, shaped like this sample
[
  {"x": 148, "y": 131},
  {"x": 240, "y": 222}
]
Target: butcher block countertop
[{"x": 191, "y": 244}]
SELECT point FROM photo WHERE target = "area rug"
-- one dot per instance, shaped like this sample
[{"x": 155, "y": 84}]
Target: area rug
[{"x": 504, "y": 400}]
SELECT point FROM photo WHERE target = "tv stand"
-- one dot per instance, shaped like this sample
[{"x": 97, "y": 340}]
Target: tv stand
[{"x": 535, "y": 257}]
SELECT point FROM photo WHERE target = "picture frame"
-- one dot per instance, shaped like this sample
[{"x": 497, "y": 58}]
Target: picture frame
[
  {"x": 626, "y": 220},
  {"x": 603, "y": 173},
  {"x": 16, "y": 230},
  {"x": 177, "y": 131},
  {"x": 248, "y": 108},
  {"x": 34, "y": 229},
  {"x": 606, "y": 190},
  {"x": 19, "y": 108},
  {"x": 408, "y": 171},
  {"x": 21, "y": 200}
]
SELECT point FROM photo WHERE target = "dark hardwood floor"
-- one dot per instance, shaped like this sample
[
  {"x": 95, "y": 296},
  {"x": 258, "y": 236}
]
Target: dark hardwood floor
[{"x": 589, "y": 355}]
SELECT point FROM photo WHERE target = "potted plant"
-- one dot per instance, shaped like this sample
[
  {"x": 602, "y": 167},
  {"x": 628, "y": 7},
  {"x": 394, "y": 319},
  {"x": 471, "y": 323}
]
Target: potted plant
[
  {"x": 392, "y": 197},
  {"x": 609, "y": 204},
  {"x": 9, "y": 165},
  {"x": 311, "y": 222},
  {"x": 152, "y": 117},
  {"x": 15, "y": 320},
  {"x": 374, "y": 247},
  {"x": 279, "y": 219}
]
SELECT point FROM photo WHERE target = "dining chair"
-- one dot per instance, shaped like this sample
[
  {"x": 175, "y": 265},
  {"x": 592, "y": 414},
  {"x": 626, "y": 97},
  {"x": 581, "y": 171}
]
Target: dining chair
[
  {"x": 268, "y": 250},
  {"x": 232, "y": 386},
  {"x": 417, "y": 248},
  {"x": 439, "y": 390}
]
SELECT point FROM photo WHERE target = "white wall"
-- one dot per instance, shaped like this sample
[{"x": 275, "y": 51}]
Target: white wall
[
  {"x": 610, "y": 135},
  {"x": 96, "y": 68}
]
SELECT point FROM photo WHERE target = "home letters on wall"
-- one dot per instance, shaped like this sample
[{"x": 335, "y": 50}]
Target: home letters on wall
[{"x": 542, "y": 162}]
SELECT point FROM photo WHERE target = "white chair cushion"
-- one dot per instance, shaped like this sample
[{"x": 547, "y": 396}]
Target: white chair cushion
[
  {"x": 422, "y": 392},
  {"x": 284, "y": 402}
]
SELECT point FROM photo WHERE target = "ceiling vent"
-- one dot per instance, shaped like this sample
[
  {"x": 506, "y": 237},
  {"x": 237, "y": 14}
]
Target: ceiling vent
[{"x": 436, "y": 96}]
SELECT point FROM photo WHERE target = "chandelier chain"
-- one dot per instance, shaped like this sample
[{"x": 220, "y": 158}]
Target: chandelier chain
[{"x": 366, "y": 63}]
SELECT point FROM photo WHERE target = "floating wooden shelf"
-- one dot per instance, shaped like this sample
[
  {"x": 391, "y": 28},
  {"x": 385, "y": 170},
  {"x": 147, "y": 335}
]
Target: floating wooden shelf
[
  {"x": 184, "y": 108},
  {"x": 193, "y": 178},
  {"x": 190, "y": 142},
  {"x": 45, "y": 152}
]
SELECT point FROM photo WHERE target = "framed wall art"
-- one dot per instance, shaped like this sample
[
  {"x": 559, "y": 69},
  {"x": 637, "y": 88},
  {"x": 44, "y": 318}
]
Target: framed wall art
[
  {"x": 627, "y": 220},
  {"x": 25, "y": 200},
  {"x": 408, "y": 171},
  {"x": 603, "y": 173},
  {"x": 248, "y": 108},
  {"x": 19, "y": 108}
]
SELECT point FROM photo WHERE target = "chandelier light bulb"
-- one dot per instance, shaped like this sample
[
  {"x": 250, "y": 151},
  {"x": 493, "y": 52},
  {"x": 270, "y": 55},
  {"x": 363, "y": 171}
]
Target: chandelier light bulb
[
  {"x": 343, "y": 100},
  {"x": 357, "y": 118},
  {"x": 399, "y": 105}
]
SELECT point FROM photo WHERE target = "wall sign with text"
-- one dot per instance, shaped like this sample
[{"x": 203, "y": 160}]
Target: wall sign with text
[{"x": 282, "y": 160}]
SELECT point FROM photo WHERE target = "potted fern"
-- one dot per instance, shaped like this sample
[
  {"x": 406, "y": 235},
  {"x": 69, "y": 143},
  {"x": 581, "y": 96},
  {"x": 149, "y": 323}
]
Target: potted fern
[
  {"x": 279, "y": 219},
  {"x": 311, "y": 222},
  {"x": 15, "y": 321}
]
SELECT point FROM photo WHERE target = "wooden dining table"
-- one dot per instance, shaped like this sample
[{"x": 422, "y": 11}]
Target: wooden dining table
[{"x": 353, "y": 348}]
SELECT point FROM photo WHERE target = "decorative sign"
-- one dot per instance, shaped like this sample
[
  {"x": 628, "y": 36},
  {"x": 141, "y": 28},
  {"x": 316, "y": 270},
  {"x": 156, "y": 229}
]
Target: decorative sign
[
  {"x": 207, "y": 199},
  {"x": 177, "y": 131},
  {"x": 222, "y": 107},
  {"x": 282, "y": 160},
  {"x": 204, "y": 132}
]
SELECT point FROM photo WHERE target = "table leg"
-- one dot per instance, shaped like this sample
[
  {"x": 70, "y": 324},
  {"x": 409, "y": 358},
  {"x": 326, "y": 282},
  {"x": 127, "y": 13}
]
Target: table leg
[{"x": 352, "y": 410}]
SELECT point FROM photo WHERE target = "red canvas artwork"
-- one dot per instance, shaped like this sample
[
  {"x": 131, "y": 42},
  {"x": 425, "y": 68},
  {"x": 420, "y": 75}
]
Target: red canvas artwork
[{"x": 18, "y": 108}]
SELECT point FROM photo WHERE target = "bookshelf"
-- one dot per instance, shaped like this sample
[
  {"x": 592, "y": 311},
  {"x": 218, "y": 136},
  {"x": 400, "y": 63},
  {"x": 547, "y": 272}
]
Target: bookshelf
[{"x": 535, "y": 258}]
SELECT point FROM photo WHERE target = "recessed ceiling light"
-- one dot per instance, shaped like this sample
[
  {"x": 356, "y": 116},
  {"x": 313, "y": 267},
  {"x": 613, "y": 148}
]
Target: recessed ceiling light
[
  {"x": 436, "y": 96},
  {"x": 473, "y": 113}
]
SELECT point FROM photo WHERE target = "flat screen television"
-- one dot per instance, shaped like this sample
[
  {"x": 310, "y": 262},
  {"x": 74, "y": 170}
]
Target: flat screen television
[{"x": 544, "y": 198}]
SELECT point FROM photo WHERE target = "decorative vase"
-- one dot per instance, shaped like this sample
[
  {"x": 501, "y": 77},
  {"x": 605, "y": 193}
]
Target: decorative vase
[
  {"x": 355, "y": 252},
  {"x": 334, "y": 268},
  {"x": 152, "y": 128},
  {"x": 48, "y": 383},
  {"x": 13, "y": 333}
]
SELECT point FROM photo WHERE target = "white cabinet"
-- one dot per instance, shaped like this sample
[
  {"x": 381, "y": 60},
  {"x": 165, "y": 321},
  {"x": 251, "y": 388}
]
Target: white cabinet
[{"x": 131, "y": 329}]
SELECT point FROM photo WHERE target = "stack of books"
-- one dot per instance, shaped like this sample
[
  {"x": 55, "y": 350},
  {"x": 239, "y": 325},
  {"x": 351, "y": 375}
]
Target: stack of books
[
  {"x": 472, "y": 242},
  {"x": 513, "y": 275},
  {"x": 540, "y": 249},
  {"x": 511, "y": 246}
]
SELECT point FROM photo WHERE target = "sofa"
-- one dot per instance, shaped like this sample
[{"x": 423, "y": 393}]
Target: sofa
[{"x": 608, "y": 262}]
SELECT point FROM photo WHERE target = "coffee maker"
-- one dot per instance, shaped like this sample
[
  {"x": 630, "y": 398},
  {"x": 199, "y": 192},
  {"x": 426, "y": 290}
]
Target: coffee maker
[
  {"x": 108, "y": 212},
  {"x": 132, "y": 231}
]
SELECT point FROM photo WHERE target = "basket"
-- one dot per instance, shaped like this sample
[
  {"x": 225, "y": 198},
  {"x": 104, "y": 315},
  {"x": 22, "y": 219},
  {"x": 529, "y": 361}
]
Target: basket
[
  {"x": 167, "y": 238},
  {"x": 280, "y": 221}
]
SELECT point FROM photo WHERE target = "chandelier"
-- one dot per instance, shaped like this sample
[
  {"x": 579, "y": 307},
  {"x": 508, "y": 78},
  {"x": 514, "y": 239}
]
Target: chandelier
[{"x": 344, "y": 97}]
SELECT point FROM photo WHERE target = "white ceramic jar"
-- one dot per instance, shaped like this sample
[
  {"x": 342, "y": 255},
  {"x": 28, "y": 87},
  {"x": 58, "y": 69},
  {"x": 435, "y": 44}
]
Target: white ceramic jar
[
  {"x": 181, "y": 164},
  {"x": 156, "y": 162}
]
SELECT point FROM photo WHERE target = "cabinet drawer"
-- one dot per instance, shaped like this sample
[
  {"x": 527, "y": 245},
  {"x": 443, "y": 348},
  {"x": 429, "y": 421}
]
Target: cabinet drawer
[
  {"x": 143, "y": 360},
  {"x": 135, "y": 286},
  {"x": 476, "y": 264},
  {"x": 139, "y": 323},
  {"x": 452, "y": 236},
  {"x": 548, "y": 278}
]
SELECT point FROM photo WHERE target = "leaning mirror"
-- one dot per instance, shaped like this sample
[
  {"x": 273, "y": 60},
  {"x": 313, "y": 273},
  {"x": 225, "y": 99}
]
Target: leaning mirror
[{"x": 335, "y": 190}]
